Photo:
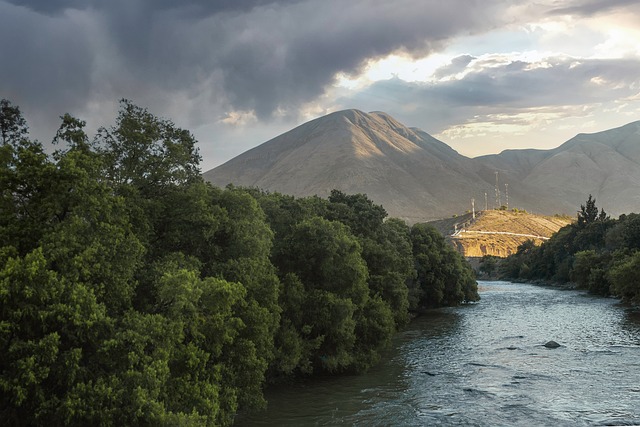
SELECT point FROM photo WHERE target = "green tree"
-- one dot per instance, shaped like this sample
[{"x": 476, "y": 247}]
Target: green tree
[
  {"x": 582, "y": 252},
  {"x": 209, "y": 329},
  {"x": 588, "y": 213},
  {"x": 589, "y": 271},
  {"x": 13, "y": 126},
  {"x": 295, "y": 341},
  {"x": 357, "y": 211},
  {"x": 27, "y": 206},
  {"x": 243, "y": 244},
  {"x": 386, "y": 248},
  {"x": 390, "y": 263},
  {"x": 374, "y": 329},
  {"x": 625, "y": 278},
  {"x": 326, "y": 256},
  {"x": 582, "y": 264},
  {"x": 48, "y": 327},
  {"x": 625, "y": 233},
  {"x": 147, "y": 152},
  {"x": 327, "y": 260},
  {"x": 129, "y": 297},
  {"x": 443, "y": 277},
  {"x": 91, "y": 240},
  {"x": 152, "y": 164},
  {"x": 488, "y": 265}
]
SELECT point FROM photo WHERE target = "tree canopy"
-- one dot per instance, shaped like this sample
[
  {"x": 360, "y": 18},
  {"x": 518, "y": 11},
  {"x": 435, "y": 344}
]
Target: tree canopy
[
  {"x": 596, "y": 253},
  {"x": 134, "y": 293}
]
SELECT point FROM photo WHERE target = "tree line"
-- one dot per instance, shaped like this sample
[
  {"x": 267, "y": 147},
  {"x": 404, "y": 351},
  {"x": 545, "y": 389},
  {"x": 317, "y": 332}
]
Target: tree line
[
  {"x": 597, "y": 253},
  {"x": 133, "y": 292}
]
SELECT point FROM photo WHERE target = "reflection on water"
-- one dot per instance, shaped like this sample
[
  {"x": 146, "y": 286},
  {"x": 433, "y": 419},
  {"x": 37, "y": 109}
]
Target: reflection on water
[{"x": 485, "y": 364}]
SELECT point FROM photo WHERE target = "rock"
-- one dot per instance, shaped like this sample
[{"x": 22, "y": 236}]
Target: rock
[{"x": 552, "y": 344}]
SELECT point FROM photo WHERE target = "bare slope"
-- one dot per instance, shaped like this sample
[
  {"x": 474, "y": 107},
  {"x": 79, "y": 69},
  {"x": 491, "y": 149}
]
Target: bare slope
[
  {"x": 414, "y": 176},
  {"x": 604, "y": 164},
  {"x": 498, "y": 233}
]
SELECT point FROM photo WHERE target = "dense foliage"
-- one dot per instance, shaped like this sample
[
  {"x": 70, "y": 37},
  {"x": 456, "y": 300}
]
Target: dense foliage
[
  {"x": 132, "y": 292},
  {"x": 596, "y": 253}
]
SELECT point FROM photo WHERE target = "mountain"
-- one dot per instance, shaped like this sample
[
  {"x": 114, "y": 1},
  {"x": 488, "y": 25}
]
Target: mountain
[
  {"x": 410, "y": 173},
  {"x": 419, "y": 178},
  {"x": 605, "y": 164}
]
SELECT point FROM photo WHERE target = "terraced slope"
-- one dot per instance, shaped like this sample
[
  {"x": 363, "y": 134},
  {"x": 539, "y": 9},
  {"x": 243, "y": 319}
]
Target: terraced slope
[{"x": 498, "y": 233}]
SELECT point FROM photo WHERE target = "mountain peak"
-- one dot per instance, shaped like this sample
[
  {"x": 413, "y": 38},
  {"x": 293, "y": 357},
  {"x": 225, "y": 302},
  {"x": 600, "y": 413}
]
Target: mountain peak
[
  {"x": 355, "y": 152},
  {"x": 351, "y": 114},
  {"x": 360, "y": 118},
  {"x": 618, "y": 138},
  {"x": 363, "y": 120}
]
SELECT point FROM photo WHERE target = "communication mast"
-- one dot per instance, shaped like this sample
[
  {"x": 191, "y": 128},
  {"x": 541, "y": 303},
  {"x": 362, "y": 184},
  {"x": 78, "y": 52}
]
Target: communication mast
[
  {"x": 506, "y": 194},
  {"x": 497, "y": 193},
  {"x": 473, "y": 208},
  {"x": 486, "y": 206}
]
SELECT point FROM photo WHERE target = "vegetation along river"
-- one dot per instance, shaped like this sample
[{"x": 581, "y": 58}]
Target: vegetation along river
[{"x": 485, "y": 364}]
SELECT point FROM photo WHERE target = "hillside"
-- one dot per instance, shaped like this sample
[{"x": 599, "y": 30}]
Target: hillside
[
  {"x": 419, "y": 178},
  {"x": 413, "y": 175},
  {"x": 605, "y": 164},
  {"x": 498, "y": 233}
]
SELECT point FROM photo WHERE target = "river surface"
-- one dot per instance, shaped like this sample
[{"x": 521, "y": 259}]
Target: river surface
[{"x": 484, "y": 365}]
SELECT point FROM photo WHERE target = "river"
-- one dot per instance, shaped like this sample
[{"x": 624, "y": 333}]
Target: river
[{"x": 484, "y": 365}]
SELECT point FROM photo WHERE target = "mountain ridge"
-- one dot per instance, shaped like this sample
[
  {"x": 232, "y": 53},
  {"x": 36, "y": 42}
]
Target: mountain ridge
[{"x": 417, "y": 177}]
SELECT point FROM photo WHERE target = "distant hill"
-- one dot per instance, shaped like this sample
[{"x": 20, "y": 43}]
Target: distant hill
[
  {"x": 418, "y": 178},
  {"x": 604, "y": 164},
  {"x": 496, "y": 232}
]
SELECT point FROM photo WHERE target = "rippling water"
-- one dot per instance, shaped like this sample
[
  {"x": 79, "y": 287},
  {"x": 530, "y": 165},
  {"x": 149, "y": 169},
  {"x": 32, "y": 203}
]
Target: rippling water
[{"x": 484, "y": 364}]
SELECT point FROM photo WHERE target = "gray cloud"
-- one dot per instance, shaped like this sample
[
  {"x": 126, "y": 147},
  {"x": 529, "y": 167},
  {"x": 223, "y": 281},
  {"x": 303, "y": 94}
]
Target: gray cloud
[
  {"x": 187, "y": 6},
  {"x": 45, "y": 64},
  {"x": 457, "y": 65},
  {"x": 267, "y": 56},
  {"x": 196, "y": 60},
  {"x": 593, "y": 7}
]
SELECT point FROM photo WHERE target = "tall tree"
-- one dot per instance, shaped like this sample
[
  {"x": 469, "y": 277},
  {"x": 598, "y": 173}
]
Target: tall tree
[
  {"x": 148, "y": 152},
  {"x": 588, "y": 213},
  {"x": 327, "y": 260},
  {"x": 443, "y": 278},
  {"x": 13, "y": 126},
  {"x": 242, "y": 247}
]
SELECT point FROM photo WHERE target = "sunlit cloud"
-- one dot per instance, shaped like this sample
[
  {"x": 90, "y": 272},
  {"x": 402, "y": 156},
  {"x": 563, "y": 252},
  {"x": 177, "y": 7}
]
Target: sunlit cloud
[{"x": 239, "y": 118}]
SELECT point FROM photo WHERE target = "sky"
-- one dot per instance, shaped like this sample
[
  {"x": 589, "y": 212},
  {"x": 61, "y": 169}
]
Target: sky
[{"x": 482, "y": 76}]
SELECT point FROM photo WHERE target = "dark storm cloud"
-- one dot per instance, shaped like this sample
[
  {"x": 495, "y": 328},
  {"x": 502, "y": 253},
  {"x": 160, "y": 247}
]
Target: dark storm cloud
[
  {"x": 207, "y": 6},
  {"x": 213, "y": 56},
  {"x": 511, "y": 88},
  {"x": 281, "y": 55},
  {"x": 45, "y": 63},
  {"x": 50, "y": 6}
]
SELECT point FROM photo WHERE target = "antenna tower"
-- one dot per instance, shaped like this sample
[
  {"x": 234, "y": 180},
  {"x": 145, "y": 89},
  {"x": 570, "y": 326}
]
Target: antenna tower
[
  {"x": 473, "y": 208},
  {"x": 486, "y": 206},
  {"x": 506, "y": 194},
  {"x": 497, "y": 206}
]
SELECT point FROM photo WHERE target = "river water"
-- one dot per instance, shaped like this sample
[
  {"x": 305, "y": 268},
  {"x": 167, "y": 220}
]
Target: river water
[{"x": 484, "y": 365}]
